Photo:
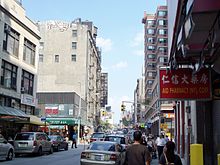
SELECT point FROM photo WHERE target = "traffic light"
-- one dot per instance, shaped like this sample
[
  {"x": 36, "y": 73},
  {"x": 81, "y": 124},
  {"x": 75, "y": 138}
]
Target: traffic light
[
  {"x": 103, "y": 113},
  {"x": 122, "y": 107}
]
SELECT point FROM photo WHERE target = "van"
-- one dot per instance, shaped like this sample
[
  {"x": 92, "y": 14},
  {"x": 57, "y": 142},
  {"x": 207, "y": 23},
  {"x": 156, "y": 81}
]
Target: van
[{"x": 32, "y": 143}]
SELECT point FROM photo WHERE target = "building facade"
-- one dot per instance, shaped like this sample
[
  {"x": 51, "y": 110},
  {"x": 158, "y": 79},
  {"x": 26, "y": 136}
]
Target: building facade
[
  {"x": 19, "y": 63},
  {"x": 70, "y": 61},
  {"x": 156, "y": 51}
]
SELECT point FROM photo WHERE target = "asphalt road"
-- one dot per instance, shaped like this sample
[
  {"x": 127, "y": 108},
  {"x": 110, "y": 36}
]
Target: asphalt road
[{"x": 70, "y": 157}]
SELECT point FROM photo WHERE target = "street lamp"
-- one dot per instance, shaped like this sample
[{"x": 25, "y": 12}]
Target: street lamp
[{"x": 78, "y": 117}]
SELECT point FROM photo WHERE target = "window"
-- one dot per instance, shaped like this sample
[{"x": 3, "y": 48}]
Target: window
[
  {"x": 29, "y": 52},
  {"x": 41, "y": 45},
  {"x": 41, "y": 57},
  {"x": 56, "y": 58},
  {"x": 27, "y": 82},
  {"x": 150, "y": 40},
  {"x": 150, "y": 31},
  {"x": 162, "y": 50},
  {"x": 162, "y": 13},
  {"x": 74, "y": 33},
  {"x": 162, "y": 32},
  {"x": 162, "y": 22},
  {"x": 74, "y": 45},
  {"x": 151, "y": 48},
  {"x": 73, "y": 57},
  {"x": 8, "y": 75},
  {"x": 151, "y": 56},
  {"x": 150, "y": 22},
  {"x": 162, "y": 40},
  {"x": 163, "y": 59},
  {"x": 11, "y": 40}
]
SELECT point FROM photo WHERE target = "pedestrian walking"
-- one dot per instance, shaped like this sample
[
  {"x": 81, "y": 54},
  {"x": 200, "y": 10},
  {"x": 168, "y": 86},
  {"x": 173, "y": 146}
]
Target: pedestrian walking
[
  {"x": 137, "y": 153},
  {"x": 169, "y": 157},
  {"x": 160, "y": 142},
  {"x": 74, "y": 139}
]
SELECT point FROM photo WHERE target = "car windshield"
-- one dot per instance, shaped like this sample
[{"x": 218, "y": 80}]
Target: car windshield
[
  {"x": 120, "y": 140},
  {"x": 24, "y": 136},
  {"x": 102, "y": 146},
  {"x": 98, "y": 135}
]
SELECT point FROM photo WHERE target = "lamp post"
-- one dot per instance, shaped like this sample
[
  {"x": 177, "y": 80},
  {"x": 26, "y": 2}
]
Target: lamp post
[{"x": 78, "y": 117}]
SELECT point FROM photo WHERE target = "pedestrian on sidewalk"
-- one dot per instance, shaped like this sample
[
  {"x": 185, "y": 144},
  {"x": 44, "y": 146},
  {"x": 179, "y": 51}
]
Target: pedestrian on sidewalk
[
  {"x": 169, "y": 157},
  {"x": 137, "y": 154},
  {"x": 160, "y": 142},
  {"x": 74, "y": 139}
]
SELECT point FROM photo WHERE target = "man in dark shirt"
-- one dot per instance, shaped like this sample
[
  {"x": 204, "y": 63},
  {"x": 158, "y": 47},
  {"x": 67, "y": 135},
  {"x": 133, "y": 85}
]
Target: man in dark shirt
[{"x": 137, "y": 154}]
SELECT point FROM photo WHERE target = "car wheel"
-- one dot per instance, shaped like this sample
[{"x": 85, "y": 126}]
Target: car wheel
[
  {"x": 51, "y": 150},
  {"x": 66, "y": 148},
  {"x": 10, "y": 155},
  {"x": 39, "y": 152}
]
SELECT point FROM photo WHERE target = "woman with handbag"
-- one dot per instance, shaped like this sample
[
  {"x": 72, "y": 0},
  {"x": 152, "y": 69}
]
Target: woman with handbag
[{"x": 169, "y": 157}]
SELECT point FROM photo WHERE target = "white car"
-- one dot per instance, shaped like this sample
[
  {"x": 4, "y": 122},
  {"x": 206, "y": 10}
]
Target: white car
[{"x": 6, "y": 149}]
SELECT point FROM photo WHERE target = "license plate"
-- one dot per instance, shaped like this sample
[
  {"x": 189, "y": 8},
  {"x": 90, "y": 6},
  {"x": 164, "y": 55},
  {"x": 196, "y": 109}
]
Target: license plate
[
  {"x": 99, "y": 157},
  {"x": 22, "y": 145}
]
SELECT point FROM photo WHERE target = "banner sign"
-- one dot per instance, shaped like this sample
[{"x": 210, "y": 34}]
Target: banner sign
[{"x": 182, "y": 84}]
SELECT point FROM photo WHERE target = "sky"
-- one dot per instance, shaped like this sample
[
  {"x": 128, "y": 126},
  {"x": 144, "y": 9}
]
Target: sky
[{"x": 120, "y": 37}]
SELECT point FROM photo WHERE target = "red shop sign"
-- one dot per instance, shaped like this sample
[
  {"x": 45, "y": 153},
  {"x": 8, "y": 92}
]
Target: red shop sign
[{"x": 182, "y": 84}]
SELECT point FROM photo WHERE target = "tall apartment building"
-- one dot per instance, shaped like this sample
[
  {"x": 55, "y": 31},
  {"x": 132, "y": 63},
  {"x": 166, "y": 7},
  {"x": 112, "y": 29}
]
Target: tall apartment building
[
  {"x": 19, "y": 62},
  {"x": 70, "y": 63},
  {"x": 104, "y": 89},
  {"x": 156, "y": 43}
]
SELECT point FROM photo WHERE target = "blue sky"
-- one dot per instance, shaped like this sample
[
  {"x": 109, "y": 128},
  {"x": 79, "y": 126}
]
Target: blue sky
[{"x": 120, "y": 36}]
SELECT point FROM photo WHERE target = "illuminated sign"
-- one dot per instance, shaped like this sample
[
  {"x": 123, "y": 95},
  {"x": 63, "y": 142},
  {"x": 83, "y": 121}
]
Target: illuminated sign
[{"x": 183, "y": 84}]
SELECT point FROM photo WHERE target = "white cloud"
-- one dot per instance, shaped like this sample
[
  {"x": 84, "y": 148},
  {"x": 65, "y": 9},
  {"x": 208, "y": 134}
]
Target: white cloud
[
  {"x": 138, "y": 40},
  {"x": 122, "y": 64},
  {"x": 104, "y": 44}
]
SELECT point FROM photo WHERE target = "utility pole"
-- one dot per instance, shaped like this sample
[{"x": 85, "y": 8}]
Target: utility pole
[{"x": 79, "y": 118}]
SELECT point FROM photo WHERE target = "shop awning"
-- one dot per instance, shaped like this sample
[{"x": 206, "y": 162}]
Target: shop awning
[
  {"x": 62, "y": 121},
  {"x": 9, "y": 111}
]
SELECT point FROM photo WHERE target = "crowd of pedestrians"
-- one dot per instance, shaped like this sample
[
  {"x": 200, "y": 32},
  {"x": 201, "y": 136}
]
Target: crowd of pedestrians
[{"x": 145, "y": 148}]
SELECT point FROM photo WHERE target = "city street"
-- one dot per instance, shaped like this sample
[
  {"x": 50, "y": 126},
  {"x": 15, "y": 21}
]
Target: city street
[{"x": 70, "y": 157}]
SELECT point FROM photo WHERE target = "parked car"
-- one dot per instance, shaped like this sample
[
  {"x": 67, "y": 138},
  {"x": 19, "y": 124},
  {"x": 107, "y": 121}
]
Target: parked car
[
  {"x": 121, "y": 139},
  {"x": 97, "y": 136},
  {"x": 6, "y": 149},
  {"x": 32, "y": 143},
  {"x": 58, "y": 142},
  {"x": 103, "y": 152}
]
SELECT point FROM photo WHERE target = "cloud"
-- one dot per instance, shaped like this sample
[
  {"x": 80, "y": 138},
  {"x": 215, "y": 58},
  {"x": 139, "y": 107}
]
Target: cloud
[
  {"x": 122, "y": 64},
  {"x": 104, "y": 44},
  {"x": 138, "y": 40}
]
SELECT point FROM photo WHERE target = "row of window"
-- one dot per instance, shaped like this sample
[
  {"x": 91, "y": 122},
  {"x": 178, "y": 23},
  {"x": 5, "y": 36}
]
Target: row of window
[
  {"x": 57, "y": 58},
  {"x": 74, "y": 45},
  {"x": 160, "y": 31},
  {"x": 160, "y": 40},
  {"x": 160, "y": 49},
  {"x": 9, "y": 76},
  {"x": 11, "y": 45}
]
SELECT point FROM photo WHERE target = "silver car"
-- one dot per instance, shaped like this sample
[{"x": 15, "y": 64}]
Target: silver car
[
  {"x": 103, "y": 153},
  {"x": 32, "y": 143},
  {"x": 6, "y": 149}
]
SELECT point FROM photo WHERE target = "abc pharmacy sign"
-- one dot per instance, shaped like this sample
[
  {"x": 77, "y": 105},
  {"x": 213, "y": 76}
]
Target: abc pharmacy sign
[{"x": 182, "y": 84}]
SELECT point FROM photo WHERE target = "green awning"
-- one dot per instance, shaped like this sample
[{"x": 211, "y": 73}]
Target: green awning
[{"x": 61, "y": 121}]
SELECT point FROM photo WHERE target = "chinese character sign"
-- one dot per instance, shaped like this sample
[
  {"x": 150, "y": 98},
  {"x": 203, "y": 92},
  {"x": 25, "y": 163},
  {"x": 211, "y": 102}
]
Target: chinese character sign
[{"x": 182, "y": 84}]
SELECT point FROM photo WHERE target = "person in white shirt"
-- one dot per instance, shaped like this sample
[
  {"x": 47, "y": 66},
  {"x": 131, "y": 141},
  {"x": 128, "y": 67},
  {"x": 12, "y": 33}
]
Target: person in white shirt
[{"x": 160, "y": 142}]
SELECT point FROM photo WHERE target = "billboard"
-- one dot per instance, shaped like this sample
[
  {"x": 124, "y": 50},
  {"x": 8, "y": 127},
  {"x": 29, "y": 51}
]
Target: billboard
[{"x": 183, "y": 84}]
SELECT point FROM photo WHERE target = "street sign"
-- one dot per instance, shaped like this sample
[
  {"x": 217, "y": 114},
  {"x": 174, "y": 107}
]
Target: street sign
[{"x": 43, "y": 118}]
